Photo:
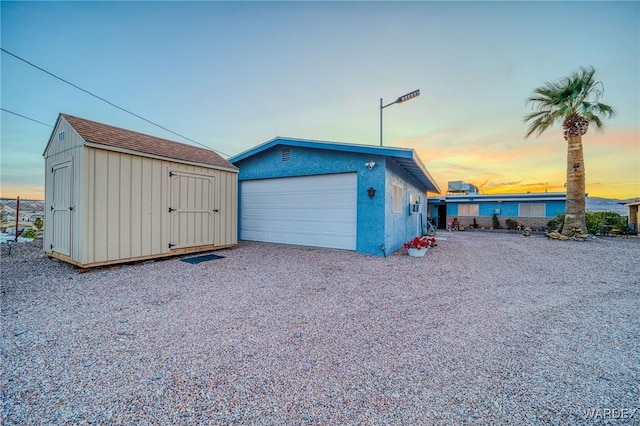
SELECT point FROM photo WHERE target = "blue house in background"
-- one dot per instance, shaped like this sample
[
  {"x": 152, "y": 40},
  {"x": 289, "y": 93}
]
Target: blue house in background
[
  {"x": 530, "y": 209},
  {"x": 365, "y": 198}
]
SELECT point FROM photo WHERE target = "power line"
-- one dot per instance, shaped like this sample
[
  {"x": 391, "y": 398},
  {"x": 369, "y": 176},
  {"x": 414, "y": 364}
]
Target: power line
[
  {"x": 24, "y": 116},
  {"x": 108, "y": 102}
]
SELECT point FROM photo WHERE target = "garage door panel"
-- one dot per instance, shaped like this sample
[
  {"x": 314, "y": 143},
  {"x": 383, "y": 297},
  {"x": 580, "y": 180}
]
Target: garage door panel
[
  {"x": 309, "y": 210},
  {"x": 303, "y": 226},
  {"x": 277, "y": 237}
]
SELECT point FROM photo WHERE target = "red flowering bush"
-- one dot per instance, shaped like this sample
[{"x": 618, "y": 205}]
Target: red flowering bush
[{"x": 421, "y": 242}]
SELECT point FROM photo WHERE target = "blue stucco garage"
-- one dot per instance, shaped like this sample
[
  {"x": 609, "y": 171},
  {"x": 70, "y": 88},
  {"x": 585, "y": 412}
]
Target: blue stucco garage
[{"x": 366, "y": 198}]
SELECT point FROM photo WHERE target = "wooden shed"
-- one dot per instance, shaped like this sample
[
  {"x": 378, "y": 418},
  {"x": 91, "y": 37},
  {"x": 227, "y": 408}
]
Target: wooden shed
[{"x": 114, "y": 195}]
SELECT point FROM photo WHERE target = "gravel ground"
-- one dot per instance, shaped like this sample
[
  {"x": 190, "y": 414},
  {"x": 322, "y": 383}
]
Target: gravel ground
[{"x": 487, "y": 328}]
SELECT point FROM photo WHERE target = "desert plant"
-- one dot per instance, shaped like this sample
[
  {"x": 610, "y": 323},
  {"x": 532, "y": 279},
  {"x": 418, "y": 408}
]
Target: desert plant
[
  {"x": 38, "y": 223},
  {"x": 496, "y": 221},
  {"x": 512, "y": 224}
]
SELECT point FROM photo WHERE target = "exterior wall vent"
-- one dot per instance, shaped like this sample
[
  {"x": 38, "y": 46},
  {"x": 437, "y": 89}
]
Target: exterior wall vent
[{"x": 286, "y": 154}]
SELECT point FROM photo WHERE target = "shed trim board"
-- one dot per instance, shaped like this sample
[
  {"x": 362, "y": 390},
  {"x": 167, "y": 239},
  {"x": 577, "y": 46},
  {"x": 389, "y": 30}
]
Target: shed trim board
[
  {"x": 316, "y": 210},
  {"x": 158, "y": 157},
  {"x": 119, "y": 200}
]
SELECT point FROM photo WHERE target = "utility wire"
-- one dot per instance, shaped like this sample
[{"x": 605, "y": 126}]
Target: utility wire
[
  {"x": 24, "y": 116},
  {"x": 110, "y": 103}
]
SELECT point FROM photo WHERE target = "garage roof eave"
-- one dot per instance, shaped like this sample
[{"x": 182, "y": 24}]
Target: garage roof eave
[
  {"x": 414, "y": 167},
  {"x": 405, "y": 158},
  {"x": 307, "y": 143}
]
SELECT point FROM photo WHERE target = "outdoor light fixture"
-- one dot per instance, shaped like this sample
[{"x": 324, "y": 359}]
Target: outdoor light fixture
[
  {"x": 401, "y": 99},
  {"x": 371, "y": 192}
]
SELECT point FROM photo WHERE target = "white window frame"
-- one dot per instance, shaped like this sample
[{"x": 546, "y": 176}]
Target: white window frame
[
  {"x": 469, "y": 209},
  {"x": 397, "y": 197},
  {"x": 527, "y": 210}
]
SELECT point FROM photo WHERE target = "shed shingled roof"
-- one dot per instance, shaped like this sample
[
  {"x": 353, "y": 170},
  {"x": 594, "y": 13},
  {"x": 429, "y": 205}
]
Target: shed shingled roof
[{"x": 104, "y": 134}]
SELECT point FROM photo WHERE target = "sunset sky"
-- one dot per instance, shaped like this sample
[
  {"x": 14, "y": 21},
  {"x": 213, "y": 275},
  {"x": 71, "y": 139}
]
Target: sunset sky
[{"x": 232, "y": 75}]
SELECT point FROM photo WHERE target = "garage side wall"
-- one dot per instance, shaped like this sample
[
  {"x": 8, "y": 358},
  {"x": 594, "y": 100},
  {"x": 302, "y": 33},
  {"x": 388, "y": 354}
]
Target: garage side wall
[
  {"x": 402, "y": 224},
  {"x": 285, "y": 161}
]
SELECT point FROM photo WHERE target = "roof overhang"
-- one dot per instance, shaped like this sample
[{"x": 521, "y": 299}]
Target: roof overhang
[
  {"x": 472, "y": 198},
  {"x": 405, "y": 158},
  {"x": 98, "y": 145}
]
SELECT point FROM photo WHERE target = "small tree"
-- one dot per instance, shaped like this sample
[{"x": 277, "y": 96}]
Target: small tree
[
  {"x": 38, "y": 223},
  {"x": 496, "y": 222}
]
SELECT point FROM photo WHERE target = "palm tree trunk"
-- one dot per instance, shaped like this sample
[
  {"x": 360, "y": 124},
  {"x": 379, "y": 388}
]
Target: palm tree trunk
[{"x": 574, "y": 216}]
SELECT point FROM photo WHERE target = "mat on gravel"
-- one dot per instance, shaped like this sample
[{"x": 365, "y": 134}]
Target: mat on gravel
[{"x": 203, "y": 258}]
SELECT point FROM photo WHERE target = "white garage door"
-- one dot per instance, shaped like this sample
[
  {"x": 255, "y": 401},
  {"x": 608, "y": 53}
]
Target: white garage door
[{"x": 309, "y": 210}]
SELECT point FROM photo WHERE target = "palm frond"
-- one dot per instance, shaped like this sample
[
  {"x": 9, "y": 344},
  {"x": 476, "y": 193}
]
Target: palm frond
[
  {"x": 577, "y": 94},
  {"x": 540, "y": 121}
]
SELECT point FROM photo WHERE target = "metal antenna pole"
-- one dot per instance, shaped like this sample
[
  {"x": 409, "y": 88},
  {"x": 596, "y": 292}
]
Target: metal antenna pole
[{"x": 381, "y": 121}]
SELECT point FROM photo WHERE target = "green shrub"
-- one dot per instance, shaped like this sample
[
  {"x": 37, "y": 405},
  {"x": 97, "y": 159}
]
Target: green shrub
[
  {"x": 597, "y": 221},
  {"x": 511, "y": 223},
  {"x": 30, "y": 233},
  {"x": 496, "y": 222},
  {"x": 556, "y": 224}
]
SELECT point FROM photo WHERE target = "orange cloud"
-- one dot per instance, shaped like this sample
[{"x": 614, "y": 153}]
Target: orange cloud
[
  {"x": 508, "y": 163},
  {"x": 24, "y": 191}
]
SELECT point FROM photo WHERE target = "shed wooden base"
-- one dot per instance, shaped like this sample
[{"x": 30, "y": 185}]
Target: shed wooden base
[{"x": 173, "y": 252}]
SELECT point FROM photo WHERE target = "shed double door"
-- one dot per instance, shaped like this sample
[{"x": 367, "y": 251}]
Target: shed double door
[{"x": 191, "y": 210}]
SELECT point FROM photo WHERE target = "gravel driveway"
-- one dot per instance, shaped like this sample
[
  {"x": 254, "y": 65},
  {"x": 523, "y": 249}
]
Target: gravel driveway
[{"x": 487, "y": 328}]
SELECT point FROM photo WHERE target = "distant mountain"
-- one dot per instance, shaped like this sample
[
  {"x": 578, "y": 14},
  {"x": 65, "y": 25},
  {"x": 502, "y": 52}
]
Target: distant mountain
[
  {"x": 598, "y": 204},
  {"x": 25, "y": 205}
]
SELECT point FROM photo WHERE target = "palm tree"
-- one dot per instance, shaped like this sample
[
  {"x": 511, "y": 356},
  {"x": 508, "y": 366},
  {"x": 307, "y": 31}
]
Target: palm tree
[{"x": 574, "y": 100}]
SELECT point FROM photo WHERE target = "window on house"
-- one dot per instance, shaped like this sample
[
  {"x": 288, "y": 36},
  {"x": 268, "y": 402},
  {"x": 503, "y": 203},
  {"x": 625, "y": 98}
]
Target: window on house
[
  {"x": 468, "y": 209},
  {"x": 61, "y": 136},
  {"x": 397, "y": 199},
  {"x": 531, "y": 210}
]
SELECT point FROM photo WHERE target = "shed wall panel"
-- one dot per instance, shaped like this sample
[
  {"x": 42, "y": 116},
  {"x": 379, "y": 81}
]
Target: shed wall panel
[
  {"x": 146, "y": 207},
  {"x": 124, "y": 249},
  {"x": 98, "y": 213},
  {"x": 136, "y": 207},
  {"x": 57, "y": 152},
  {"x": 225, "y": 224},
  {"x": 128, "y": 207},
  {"x": 114, "y": 188}
]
